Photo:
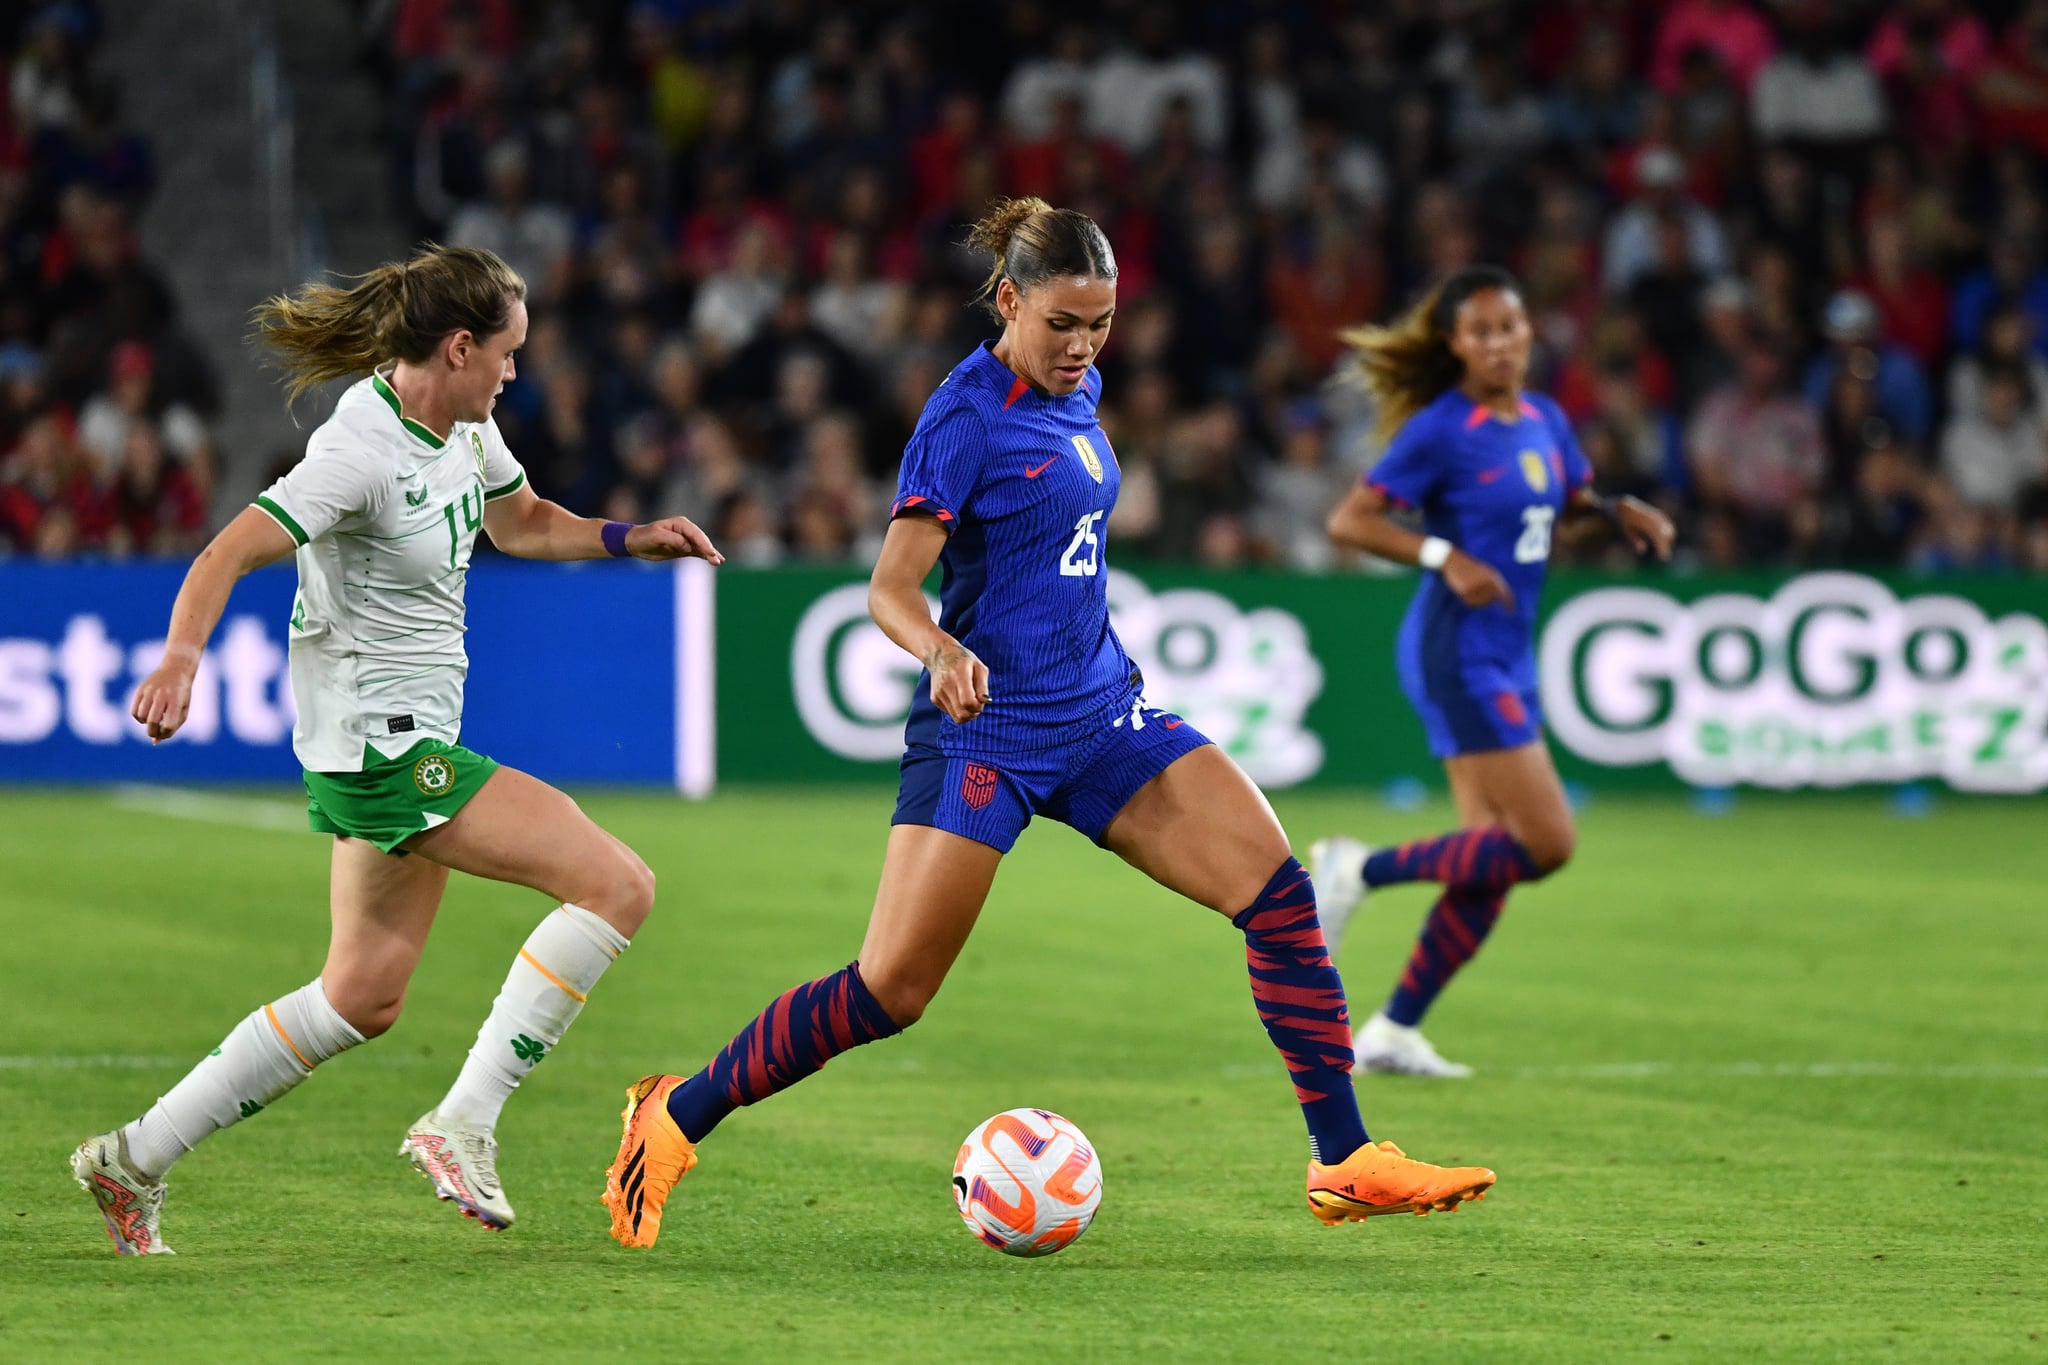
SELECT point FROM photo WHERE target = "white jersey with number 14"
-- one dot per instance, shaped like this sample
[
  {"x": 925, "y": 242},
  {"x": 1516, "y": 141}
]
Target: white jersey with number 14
[{"x": 385, "y": 514}]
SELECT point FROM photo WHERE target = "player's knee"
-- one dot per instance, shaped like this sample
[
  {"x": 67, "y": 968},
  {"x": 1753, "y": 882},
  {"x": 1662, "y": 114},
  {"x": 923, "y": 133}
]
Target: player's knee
[
  {"x": 369, "y": 1009},
  {"x": 628, "y": 894},
  {"x": 902, "y": 996},
  {"x": 1236, "y": 877},
  {"x": 1551, "y": 847}
]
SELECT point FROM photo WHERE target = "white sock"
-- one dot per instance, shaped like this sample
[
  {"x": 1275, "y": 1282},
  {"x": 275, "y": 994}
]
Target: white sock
[
  {"x": 267, "y": 1054},
  {"x": 550, "y": 979}
]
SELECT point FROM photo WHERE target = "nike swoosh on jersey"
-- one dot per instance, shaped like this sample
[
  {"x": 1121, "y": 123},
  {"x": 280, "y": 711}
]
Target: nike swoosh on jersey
[
  {"x": 1173, "y": 724},
  {"x": 1031, "y": 473},
  {"x": 1489, "y": 475}
]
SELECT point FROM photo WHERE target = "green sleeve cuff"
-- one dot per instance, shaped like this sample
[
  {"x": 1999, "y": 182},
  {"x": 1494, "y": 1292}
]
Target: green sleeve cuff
[{"x": 284, "y": 519}]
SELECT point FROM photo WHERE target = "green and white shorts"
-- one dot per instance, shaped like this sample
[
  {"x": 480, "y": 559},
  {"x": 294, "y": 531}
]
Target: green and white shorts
[{"x": 392, "y": 799}]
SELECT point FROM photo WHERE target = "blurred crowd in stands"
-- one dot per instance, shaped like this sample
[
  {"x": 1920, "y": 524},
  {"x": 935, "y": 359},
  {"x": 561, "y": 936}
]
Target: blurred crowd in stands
[
  {"x": 1784, "y": 260},
  {"x": 104, "y": 401}
]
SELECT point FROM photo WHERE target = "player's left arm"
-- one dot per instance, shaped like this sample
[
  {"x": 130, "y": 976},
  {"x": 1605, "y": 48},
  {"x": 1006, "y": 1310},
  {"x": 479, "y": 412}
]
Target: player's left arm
[
  {"x": 528, "y": 526},
  {"x": 1644, "y": 526}
]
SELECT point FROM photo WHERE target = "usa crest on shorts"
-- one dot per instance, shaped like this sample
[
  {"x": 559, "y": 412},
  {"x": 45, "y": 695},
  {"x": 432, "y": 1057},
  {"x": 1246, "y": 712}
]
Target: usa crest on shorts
[{"x": 978, "y": 785}]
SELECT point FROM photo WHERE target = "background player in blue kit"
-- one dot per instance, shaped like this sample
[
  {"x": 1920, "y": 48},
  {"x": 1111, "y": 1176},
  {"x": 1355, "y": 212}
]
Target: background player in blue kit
[
  {"x": 1033, "y": 707},
  {"x": 1492, "y": 469}
]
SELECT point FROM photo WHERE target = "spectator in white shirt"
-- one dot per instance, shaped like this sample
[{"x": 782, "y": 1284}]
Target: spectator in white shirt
[
  {"x": 1990, "y": 457},
  {"x": 1129, "y": 90},
  {"x": 1816, "y": 89},
  {"x": 732, "y": 304},
  {"x": 108, "y": 416},
  {"x": 1630, "y": 247},
  {"x": 1038, "y": 84},
  {"x": 534, "y": 239}
]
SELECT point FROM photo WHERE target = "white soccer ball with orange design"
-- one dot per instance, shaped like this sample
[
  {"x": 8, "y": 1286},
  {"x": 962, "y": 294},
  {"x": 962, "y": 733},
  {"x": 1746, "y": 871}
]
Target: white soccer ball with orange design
[{"x": 1027, "y": 1182}]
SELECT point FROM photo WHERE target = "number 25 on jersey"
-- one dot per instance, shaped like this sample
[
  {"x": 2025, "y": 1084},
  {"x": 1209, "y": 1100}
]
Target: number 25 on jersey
[
  {"x": 1533, "y": 545},
  {"x": 1083, "y": 555}
]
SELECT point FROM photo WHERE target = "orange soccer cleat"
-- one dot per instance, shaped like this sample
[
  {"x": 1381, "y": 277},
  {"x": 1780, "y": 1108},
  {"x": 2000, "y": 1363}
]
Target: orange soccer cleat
[
  {"x": 1379, "y": 1178},
  {"x": 653, "y": 1156}
]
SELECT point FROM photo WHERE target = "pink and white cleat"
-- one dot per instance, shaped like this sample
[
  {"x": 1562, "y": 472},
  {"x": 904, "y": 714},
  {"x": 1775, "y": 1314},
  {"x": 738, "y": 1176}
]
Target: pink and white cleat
[
  {"x": 462, "y": 1163},
  {"x": 131, "y": 1205}
]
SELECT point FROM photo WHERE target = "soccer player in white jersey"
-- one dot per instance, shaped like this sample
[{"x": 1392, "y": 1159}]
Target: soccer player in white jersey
[{"x": 382, "y": 514}]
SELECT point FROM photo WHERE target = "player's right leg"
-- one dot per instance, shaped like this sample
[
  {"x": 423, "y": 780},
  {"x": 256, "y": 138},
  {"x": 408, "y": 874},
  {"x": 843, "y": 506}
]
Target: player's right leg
[
  {"x": 382, "y": 908},
  {"x": 1518, "y": 827},
  {"x": 518, "y": 829},
  {"x": 1202, "y": 828},
  {"x": 932, "y": 889}
]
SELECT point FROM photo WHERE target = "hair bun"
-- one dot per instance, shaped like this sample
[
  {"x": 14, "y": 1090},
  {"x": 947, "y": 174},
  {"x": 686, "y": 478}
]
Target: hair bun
[{"x": 1000, "y": 224}]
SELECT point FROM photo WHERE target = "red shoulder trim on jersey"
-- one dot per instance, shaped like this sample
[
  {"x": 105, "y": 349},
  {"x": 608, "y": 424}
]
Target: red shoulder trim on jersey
[
  {"x": 918, "y": 502},
  {"x": 1480, "y": 413},
  {"x": 1017, "y": 390},
  {"x": 1387, "y": 493}
]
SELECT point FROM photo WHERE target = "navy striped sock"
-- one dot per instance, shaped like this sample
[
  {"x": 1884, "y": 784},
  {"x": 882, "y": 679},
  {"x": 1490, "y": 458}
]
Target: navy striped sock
[
  {"x": 1300, "y": 999},
  {"x": 805, "y": 1028},
  {"x": 1458, "y": 923},
  {"x": 1486, "y": 859}
]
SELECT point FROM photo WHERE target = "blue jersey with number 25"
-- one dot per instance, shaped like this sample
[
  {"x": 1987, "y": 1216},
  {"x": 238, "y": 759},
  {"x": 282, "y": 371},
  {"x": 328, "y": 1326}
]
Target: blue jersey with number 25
[
  {"x": 1493, "y": 488},
  {"x": 1024, "y": 483}
]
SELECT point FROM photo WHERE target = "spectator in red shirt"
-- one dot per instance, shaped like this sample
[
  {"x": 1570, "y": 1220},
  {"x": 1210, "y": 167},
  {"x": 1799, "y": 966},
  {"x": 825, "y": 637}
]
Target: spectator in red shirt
[
  {"x": 153, "y": 506},
  {"x": 422, "y": 28},
  {"x": 1560, "y": 31},
  {"x": 1334, "y": 277},
  {"x": 935, "y": 157},
  {"x": 2012, "y": 89},
  {"x": 1040, "y": 166},
  {"x": 1757, "y": 458},
  {"x": 1730, "y": 27},
  {"x": 1958, "y": 37},
  {"x": 1912, "y": 302},
  {"x": 46, "y": 491},
  {"x": 724, "y": 213},
  {"x": 1930, "y": 98}
]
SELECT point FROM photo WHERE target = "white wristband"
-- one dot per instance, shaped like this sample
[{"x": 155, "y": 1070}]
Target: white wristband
[{"x": 1434, "y": 554}]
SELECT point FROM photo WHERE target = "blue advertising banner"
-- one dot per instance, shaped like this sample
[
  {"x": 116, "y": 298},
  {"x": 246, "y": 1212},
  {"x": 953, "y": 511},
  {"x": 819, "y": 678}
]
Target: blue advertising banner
[{"x": 578, "y": 673}]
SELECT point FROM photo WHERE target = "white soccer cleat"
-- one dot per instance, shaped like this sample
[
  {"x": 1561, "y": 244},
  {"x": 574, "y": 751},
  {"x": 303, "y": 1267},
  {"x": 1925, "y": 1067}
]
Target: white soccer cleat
[
  {"x": 1337, "y": 865},
  {"x": 1392, "y": 1049},
  {"x": 462, "y": 1163},
  {"x": 131, "y": 1205}
]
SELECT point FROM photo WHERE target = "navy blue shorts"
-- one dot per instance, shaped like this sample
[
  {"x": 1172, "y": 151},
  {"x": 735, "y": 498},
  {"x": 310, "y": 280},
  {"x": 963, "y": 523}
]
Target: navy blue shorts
[
  {"x": 990, "y": 798},
  {"x": 1470, "y": 701},
  {"x": 1476, "y": 712}
]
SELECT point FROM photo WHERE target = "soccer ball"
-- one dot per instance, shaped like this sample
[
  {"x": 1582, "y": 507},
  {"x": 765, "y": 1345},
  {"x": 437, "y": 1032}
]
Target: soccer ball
[{"x": 1027, "y": 1182}]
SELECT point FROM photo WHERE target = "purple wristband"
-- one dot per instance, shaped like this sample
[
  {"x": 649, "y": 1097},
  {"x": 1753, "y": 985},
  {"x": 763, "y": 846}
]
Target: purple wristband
[{"x": 614, "y": 536}]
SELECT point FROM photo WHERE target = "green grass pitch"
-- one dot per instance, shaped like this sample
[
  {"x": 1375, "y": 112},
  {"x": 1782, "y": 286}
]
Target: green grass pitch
[{"x": 1767, "y": 1086}]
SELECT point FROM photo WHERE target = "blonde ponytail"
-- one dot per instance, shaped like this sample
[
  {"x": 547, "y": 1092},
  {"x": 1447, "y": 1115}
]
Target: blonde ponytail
[
  {"x": 399, "y": 311},
  {"x": 1407, "y": 364}
]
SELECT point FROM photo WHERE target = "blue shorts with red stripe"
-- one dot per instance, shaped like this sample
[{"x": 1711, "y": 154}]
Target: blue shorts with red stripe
[
  {"x": 1467, "y": 705},
  {"x": 991, "y": 798}
]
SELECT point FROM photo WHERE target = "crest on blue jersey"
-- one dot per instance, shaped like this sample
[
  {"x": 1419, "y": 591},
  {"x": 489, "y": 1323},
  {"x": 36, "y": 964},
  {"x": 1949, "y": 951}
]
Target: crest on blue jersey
[
  {"x": 1536, "y": 471},
  {"x": 1086, "y": 449}
]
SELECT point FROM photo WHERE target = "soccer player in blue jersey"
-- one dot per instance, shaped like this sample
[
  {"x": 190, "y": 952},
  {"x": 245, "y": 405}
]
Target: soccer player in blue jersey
[
  {"x": 1492, "y": 468},
  {"x": 1033, "y": 707}
]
